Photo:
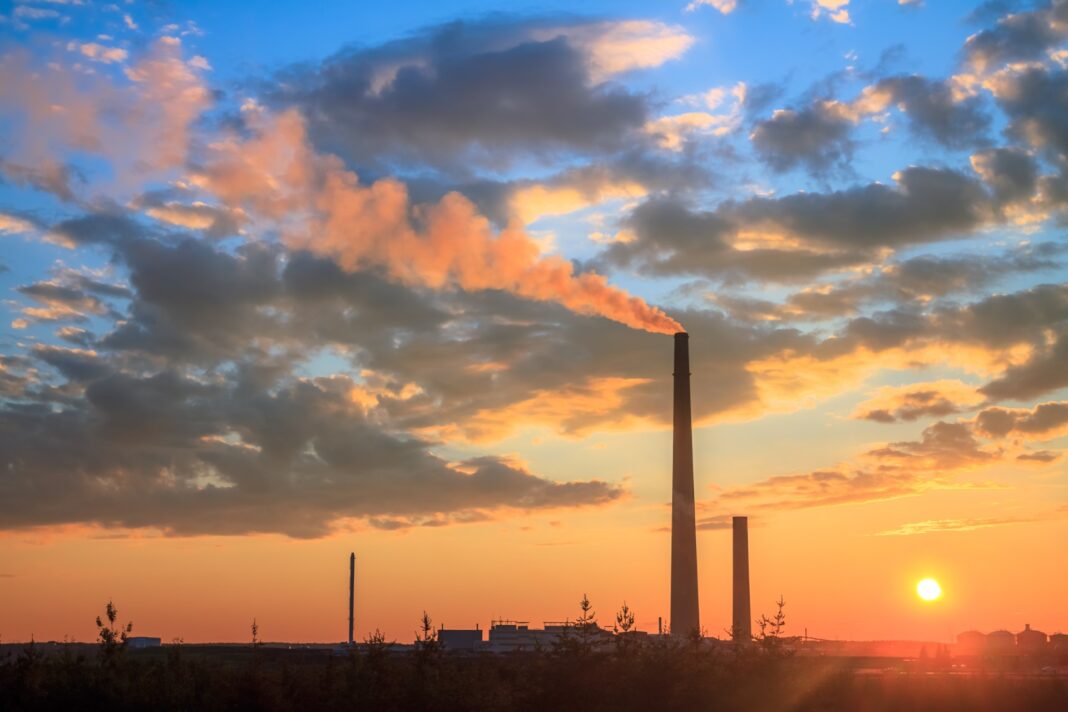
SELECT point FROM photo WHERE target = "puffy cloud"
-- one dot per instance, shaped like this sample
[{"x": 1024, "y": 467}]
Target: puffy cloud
[
  {"x": 918, "y": 400},
  {"x": 818, "y": 136},
  {"x": 1046, "y": 420},
  {"x": 724, "y": 6},
  {"x": 673, "y": 131},
  {"x": 470, "y": 94},
  {"x": 98, "y": 52},
  {"x": 1034, "y": 100},
  {"x": 191, "y": 457},
  {"x": 891, "y": 471},
  {"x": 141, "y": 126},
  {"x": 616, "y": 47},
  {"x": 835, "y": 10},
  {"x": 802, "y": 235},
  {"x": 1019, "y": 36},
  {"x": 815, "y": 137}
]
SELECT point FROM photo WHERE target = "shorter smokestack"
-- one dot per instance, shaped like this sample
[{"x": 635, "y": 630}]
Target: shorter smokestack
[
  {"x": 352, "y": 593},
  {"x": 742, "y": 629}
]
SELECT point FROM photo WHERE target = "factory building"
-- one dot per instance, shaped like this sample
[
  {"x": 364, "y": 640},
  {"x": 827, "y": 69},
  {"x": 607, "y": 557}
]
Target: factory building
[
  {"x": 1029, "y": 640},
  {"x": 460, "y": 640}
]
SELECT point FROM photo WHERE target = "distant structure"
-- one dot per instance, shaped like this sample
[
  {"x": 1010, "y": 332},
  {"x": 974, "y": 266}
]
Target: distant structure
[
  {"x": 139, "y": 642},
  {"x": 742, "y": 628},
  {"x": 1029, "y": 640},
  {"x": 685, "y": 617},
  {"x": 352, "y": 594},
  {"x": 1000, "y": 642},
  {"x": 971, "y": 642},
  {"x": 453, "y": 639}
]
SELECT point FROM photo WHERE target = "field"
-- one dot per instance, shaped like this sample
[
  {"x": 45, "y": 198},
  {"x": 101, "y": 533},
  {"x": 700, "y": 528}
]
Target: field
[{"x": 652, "y": 676}]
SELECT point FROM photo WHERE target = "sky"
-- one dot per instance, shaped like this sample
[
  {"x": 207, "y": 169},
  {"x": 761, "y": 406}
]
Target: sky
[{"x": 280, "y": 282}]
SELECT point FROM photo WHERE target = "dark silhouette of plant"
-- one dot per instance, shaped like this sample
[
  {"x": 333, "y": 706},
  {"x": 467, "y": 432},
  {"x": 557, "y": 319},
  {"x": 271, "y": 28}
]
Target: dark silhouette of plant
[
  {"x": 578, "y": 636},
  {"x": 623, "y": 628},
  {"x": 426, "y": 638},
  {"x": 771, "y": 629},
  {"x": 256, "y": 642},
  {"x": 624, "y": 620},
  {"x": 112, "y": 638}
]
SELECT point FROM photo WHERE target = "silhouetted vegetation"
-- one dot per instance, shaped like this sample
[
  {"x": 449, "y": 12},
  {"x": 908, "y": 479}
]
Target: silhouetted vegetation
[{"x": 645, "y": 673}]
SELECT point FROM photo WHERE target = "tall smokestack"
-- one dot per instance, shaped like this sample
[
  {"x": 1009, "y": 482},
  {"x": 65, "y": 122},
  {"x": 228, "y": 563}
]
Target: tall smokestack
[
  {"x": 685, "y": 618},
  {"x": 742, "y": 630},
  {"x": 352, "y": 592}
]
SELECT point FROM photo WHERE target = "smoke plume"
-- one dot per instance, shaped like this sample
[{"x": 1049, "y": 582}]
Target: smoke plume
[{"x": 318, "y": 205}]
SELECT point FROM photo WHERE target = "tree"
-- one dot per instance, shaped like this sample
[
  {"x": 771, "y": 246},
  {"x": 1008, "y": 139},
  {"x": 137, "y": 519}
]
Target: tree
[
  {"x": 112, "y": 638},
  {"x": 255, "y": 634},
  {"x": 426, "y": 639},
  {"x": 576, "y": 637},
  {"x": 771, "y": 629},
  {"x": 624, "y": 625}
]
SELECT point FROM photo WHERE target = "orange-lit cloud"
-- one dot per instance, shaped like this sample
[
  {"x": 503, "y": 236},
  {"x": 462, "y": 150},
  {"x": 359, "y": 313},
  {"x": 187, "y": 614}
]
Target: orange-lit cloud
[
  {"x": 918, "y": 400},
  {"x": 574, "y": 410},
  {"x": 954, "y": 525}
]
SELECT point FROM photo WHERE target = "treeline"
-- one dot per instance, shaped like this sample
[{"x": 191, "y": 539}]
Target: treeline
[{"x": 631, "y": 674}]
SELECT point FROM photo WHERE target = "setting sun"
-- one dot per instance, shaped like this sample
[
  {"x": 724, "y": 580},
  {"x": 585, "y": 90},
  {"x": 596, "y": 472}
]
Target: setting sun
[{"x": 929, "y": 590}]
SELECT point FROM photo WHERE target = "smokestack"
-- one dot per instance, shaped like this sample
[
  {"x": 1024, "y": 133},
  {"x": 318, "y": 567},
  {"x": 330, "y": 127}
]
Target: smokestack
[
  {"x": 742, "y": 630},
  {"x": 352, "y": 592},
  {"x": 685, "y": 618}
]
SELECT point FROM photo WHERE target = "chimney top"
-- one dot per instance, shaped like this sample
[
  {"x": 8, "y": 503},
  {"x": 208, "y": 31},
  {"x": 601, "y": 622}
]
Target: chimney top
[{"x": 681, "y": 335}]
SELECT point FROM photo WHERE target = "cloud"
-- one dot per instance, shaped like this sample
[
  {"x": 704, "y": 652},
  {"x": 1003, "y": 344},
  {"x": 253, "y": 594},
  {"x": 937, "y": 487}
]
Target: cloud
[
  {"x": 1045, "y": 420},
  {"x": 13, "y": 224},
  {"x": 835, "y": 10},
  {"x": 802, "y": 235},
  {"x": 1046, "y": 371},
  {"x": 192, "y": 457},
  {"x": 724, "y": 6},
  {"x": 1043, "y": 456},
  {"x": 140, "y": 126},
  {"x": 813, "y": 137},
  {"x": 622, "y": 46},
  {"x": 818, "y": 136},
  {"x": 673, "y": 132},
  {"x": 932, "y": 526},
  {"x": 1034, "y": 99},
  {"x": 98, "y": 52},
  {"x": 481, "y": 93},
  {"x": 918, "y": 400},
  {"x": 891, "y": 471},
  {"x": 1018, "y": 36}
]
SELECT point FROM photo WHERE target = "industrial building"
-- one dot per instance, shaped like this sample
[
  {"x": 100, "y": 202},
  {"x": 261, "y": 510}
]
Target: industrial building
[{"x": 510, "y": 636}]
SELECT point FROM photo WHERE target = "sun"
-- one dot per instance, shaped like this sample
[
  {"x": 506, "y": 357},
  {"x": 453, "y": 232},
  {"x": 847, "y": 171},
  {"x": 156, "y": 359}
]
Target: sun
[{"x": 929, "y": 590}]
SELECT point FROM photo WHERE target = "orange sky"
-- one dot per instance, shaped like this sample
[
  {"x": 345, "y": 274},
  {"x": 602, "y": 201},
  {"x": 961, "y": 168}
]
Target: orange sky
[{"x": 267, "y": 300}]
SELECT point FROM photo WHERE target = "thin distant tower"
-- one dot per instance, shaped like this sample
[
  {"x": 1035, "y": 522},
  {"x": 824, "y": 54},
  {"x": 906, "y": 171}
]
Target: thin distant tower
[
  {"x": 352, "y": 593},
  {"x": 685, "y": 618},
  {"x": 742, "y": 630}
]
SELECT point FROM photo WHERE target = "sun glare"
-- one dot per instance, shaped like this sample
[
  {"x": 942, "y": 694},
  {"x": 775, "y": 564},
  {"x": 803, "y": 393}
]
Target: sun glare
[{"x": 929, "y": 590}]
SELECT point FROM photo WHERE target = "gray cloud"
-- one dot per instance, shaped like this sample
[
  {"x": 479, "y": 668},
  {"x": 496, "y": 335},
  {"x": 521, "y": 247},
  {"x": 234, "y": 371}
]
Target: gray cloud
[
  {"x": 1036, "y": 101},
  {"x": 1046, "y": 371},
  {"x": 914, "y": 405},
  {"x": 812, "y": 137},
  {"x": 835, "y": 229},
  {"x": 191, "y": 457},
  {"x": 1044, "y": 418},
  {"x": 1017, "y": 36},
  {"x": 933, "y": 112},
  {"x": 474, "y": 93}
]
